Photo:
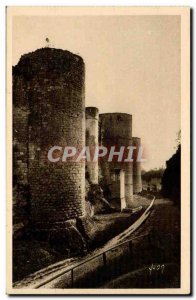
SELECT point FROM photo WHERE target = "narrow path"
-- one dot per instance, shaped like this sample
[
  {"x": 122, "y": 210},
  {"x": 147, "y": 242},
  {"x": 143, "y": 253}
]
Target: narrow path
[{"x": 160, "y": 263}]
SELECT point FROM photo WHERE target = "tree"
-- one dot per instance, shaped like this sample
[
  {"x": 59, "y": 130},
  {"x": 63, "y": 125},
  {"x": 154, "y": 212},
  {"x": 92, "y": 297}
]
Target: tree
[
  {"x": 171, "y": 181},
  {"x": 154, "y": 173}
]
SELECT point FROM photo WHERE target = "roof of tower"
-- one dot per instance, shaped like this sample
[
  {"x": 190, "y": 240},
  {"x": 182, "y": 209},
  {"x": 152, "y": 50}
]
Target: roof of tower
[{"x": 50, "y": 58}]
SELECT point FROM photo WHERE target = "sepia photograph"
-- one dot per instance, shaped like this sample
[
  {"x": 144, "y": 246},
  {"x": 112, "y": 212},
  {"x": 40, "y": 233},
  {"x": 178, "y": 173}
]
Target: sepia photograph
[{"x": 98, "y": 150}]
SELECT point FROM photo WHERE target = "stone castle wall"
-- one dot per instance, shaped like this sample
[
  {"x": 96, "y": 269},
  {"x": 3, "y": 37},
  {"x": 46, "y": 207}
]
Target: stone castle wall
[
  {"x": 92, "y": 115},
  {"x": 116, "y": 130},
  {"x": 48, "y": 110},
  {"x": 137, "y": 176}
]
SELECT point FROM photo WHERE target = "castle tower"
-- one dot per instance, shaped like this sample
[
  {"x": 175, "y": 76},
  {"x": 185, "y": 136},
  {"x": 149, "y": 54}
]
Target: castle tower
[
  {"x": 92, "y": 115},
  {"x": 48, "y": 96},
  {"x": 116, "y": 130},
  {"x": 137, "y": 177}
]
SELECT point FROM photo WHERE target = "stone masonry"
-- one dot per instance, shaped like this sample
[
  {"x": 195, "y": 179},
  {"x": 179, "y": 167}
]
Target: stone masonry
[
  {"x": 48, "y": 110},
  {"x": 92, "y": 116},
  {"x": 116, "y": 130}
]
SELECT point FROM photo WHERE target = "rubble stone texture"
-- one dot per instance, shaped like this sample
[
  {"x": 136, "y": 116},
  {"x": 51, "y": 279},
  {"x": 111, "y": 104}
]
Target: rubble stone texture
[{"x": 48, "y": 110}]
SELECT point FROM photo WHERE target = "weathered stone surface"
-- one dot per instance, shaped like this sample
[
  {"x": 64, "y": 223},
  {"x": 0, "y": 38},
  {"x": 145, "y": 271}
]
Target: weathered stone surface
[
  {"x": 67, "y": 241},
  {"x": 48, "y": 110},
  {"x": 116, "y": 130},
  {"x": 92, "y": 119},
  {"x": 88, "y": 228},
  {"x": 77, "y": 243}
]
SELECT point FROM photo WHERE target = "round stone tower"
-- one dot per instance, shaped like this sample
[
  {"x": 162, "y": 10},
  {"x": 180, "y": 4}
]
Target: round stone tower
[
  {"x": 137, "y": 176},
  {"x": 92, "y": 115},
  {"x": 48, "y": 86},
  {"x": 116, "y": 130}
]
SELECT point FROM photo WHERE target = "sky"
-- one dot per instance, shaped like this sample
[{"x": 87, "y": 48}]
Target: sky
[{"x": 132, "y": 65}]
